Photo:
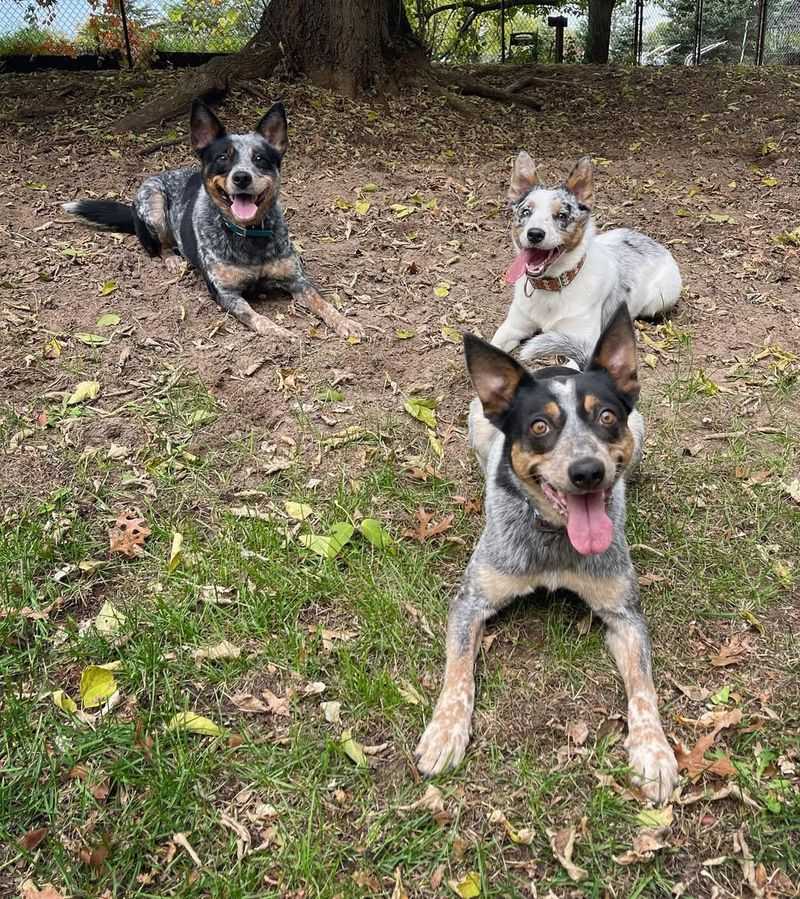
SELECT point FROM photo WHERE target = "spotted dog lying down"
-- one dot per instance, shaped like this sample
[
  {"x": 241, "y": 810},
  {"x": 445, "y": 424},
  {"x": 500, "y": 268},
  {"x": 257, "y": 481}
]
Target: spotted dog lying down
[
  {"x": 555, "y": 444},
  {"x": 225, "y": 219}
]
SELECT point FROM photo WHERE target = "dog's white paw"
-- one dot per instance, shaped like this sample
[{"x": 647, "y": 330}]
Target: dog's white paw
[
  {"x": 346, "y": 327},
  {"x": 175, "y": 265},
  {"x": 443, "y": 744},
  {"x": 655, "y": 770},
  {"x": 266, "y": 328}
]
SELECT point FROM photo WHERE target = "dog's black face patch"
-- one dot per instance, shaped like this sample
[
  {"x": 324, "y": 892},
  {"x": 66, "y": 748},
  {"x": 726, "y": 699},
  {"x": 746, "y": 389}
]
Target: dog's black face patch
[{"x": 241, "y": 174}]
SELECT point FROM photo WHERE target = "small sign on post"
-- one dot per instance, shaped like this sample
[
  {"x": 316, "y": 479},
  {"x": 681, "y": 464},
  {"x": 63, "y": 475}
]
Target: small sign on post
[{"x": 560, "y": 24}]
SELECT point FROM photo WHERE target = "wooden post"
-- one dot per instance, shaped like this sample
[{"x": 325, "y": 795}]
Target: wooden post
[{"x": 761, "y": 34}]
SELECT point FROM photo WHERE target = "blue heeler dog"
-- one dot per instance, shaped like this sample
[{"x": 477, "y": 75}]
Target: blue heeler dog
[
  {"x": 556, "y": 446},
  {"x": 225, "y": 219}
]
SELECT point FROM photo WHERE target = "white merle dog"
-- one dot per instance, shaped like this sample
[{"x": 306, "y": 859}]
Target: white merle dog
[{"x": 568, "y": 279}]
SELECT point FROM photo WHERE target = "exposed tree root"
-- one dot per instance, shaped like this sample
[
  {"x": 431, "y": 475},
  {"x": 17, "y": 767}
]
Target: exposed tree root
[
  {"x": 472, "y": 87},
  {"x": 452, "y": 100},
  {"x": 210, "y": 82},
  {"x": 527, "y": 80}
]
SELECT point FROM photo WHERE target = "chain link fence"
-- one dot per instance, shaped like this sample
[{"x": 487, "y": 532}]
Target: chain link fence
[
  {"x": 682, "y": 32},
  {"x": 130, "y": 30}
]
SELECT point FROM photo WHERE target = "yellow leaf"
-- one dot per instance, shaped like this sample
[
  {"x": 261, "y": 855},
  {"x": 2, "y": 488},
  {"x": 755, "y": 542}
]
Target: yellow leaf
[
  {"x": 353, "y": 750},
  {"x": 451, "y": 334},
  {"x": 107, "y": 287},
  {"x": 650, "y": 359},
  {"x": 404, "y": 334},
  {"x": 341, "y": 203},
  {"x": 176, "y": 552},
  {"x": 109, "y": 620},
  {"x": 370, "y": 188},
  {"x": 86, "y": 390},
  {"x": 222, "y": 650},
  {"x": 655, "y": 817},
  {"x": 401, "y": 210},
  {"x": 422, "y": 409},
  {"x": 468, "y": 887},
  {"x": 362, "y": 207},
  {"x": 298, "y": 511},
  {"x": 436, "y": 444},
  {"x": 97, "y": 684},
  {"x": 442, "y": 289},
  {"x": 770, "y": 182},
  {"x": 194, "y": 724},
  {"x": 63, "y": 702}
]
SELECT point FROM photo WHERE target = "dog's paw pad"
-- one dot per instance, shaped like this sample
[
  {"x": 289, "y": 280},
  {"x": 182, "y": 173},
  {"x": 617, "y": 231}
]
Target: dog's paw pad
[
  {"x": 442, "y": 746},
  {"x": 655, "y": 770}
]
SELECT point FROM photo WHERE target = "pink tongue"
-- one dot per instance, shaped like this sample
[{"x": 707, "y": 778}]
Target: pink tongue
[
  {"x": 525, "y": 258},
  {"x": 243, "y": 208},
  {"x": 589, "y": 529}
]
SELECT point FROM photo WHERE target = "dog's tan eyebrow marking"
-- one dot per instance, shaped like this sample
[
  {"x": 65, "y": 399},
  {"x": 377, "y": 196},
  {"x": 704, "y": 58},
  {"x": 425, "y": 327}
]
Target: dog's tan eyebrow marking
[
  {"x": 553, "y": 410},
  {"x": 555, "y": 205},
  {"x": 590, "y": 403}
]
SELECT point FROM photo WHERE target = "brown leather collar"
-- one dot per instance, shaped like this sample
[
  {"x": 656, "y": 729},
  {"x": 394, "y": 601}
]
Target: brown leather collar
[{"x": 559, "y": 282}]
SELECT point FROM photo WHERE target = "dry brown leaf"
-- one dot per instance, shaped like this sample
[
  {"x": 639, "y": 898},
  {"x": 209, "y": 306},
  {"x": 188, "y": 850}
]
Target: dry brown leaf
[
  {"x": 724, "y": 792},
  {"x": 33, "y": 838},
  {"x": 246, "y": 702},
  {"x": 734, "y": 651},
  {"x": 179, "y": 839},
  {"x": 29, "y": 890},
  {"x": 577, "y": 732},
  {"x": 562, "y": 842},
  {"x": 96, "y": 857},
  {"x": 427, "y": 528},
  {"x": 219, "y": 651},
  {"x": 645, "y": 845},
  {"x": 129, "y": 533},
  {"x": 398, "y": 892},
  {"x": 243, "y": 838},
  {"x": 754, "y": 876},
  {"x": 694, "y": 761},
  {"x": 696, "y": 694},
  {"x": 431, "y": 801},
  {"x": 367, "y": 881},
  {"x": 523, "y": 837},
  {"x": 277, "y": 705}
]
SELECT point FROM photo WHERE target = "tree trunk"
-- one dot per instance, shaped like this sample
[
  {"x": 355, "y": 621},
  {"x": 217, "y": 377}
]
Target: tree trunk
[
  {"x": 598, "y": 36},
  {"x": 347, "y": 45}
]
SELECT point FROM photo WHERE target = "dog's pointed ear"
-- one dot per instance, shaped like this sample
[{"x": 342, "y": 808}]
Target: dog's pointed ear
[
  {"x": 580, "y": 181},
  {"x": 523, "y": 177},
  {"x": 204, "y": 126},
  {"x": 615, "y": 353},
  {"x": 495, "y": 374},
  {"x": 273, "y": 127}
]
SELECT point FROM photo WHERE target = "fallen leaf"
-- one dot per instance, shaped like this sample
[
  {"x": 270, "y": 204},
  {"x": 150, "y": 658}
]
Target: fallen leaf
[
  {"x": 179, "y": 839},
  {"x": 108, "y": 320},
  {"x": 29, "y": 890},
  {"x": 243, "y": 838},
  {"x": 752, "y": 876},
  {"x": 314, "y": 688},
  {"x": 577, "y": 732},
  {"x": 423, "y": 409},
  {"x": 222, "y": 650},
  {"x": 374, "y": 533},
  {"x": 696, "y": 694},
  {"x": 129, "y": 533},
  {"x": 367, "y": 881},
  {"x": 645, "y": 845},
  {"x": 246, "y": 702},
  {"x": 64, "y": 702},
  {"x": 442, "y": 289},
  {"x": 85, "y": 390},
  {"x": 792, "y": 489},
  {"x": 194, "y": 724},
  {"x": 562, "y": 842},
  {"x": 468, "y": 887},
  {"x": 331, "y": 711},
  {"x": 107, "y": 287},
  {"x": 398, "y": 891},
  {"x": 410, "y": 693},
  {"x": 109, "y": 620},
  {"x": 353, "y": 750},
  {"x": 362, "y": 207},
  {"x": 97, "y": 684},
  {"x": 32, "y": 839},
  {"x": 522, "y": 836},
  {"x": 298, "y": 511},
  {"x": 426, "y": 528},
  {"x": 216, "y": 595},
  {"x": 277, "y": 705},
  {"x": 175, "y": 552},
  {"x": 328, "y": 547},
  {"x": 655, "y": 818},
  {"x": 733, "y": 652},
  {"x": 694, "y": 761}
]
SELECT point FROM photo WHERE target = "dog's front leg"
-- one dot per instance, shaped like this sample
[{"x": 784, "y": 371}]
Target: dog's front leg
[
  {"x": 510, "y": 335},
  {"x": 308, "y": 296},
  {"x": 232, "y": 301},
  {"x": 650, "y": 756}
]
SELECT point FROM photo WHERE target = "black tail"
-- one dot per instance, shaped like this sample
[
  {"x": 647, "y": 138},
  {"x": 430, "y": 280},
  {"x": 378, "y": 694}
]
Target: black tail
[{"x": 104, "y": 214}]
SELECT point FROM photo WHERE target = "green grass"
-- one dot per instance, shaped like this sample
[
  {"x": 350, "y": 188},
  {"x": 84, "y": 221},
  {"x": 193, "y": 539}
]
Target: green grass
[{"x": 711, "y": 541}]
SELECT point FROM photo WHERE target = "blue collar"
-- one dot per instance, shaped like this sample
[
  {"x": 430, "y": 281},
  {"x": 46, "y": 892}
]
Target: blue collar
[{"x": 247, "y": 232}]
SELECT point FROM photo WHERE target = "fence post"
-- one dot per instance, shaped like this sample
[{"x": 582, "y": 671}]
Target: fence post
[
  {"x": 125, "y": 34},
  {"x": 761, "y": 35},
  {"x": 638, "y": 30},
  {"x": 698, "y": 32},
  {"x": 503, "y": 31}
]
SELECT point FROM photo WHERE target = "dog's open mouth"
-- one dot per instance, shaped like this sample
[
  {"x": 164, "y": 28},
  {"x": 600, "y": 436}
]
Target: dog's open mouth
[
  {"x": 244, "y": 207},
  {"x": 589, "y": 528},
  {"x": 533, "y": 262}
]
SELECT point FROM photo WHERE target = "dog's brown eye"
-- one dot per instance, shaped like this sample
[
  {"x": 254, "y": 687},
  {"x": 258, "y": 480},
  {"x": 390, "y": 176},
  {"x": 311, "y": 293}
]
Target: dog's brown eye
[
  {"x": 607, "y": 418},
  {"x": 540, "y": 427}
]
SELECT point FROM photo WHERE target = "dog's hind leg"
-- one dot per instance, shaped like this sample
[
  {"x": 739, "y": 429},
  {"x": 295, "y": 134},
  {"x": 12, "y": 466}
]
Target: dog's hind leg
[
  {"x": 650, "y": 756},
  {"x": 150, "y": 218}
]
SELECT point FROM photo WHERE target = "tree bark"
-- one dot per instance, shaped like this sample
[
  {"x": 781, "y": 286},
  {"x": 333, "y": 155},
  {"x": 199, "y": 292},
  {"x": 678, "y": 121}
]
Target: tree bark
[{"x": 598, "y": 35}]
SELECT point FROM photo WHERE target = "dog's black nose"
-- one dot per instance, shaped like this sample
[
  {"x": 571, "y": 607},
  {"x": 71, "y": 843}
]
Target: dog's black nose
[
  {"x": 535, "y": 235},
  {"x": 587, "y": 473},
  {"x": 242, "y": 179}
]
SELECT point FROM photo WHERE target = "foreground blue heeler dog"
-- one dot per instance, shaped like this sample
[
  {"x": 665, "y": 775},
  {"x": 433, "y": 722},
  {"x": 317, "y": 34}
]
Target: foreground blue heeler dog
[
  {"x": 555, "y": 445},
  {"x": 225, "y": 219}
]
